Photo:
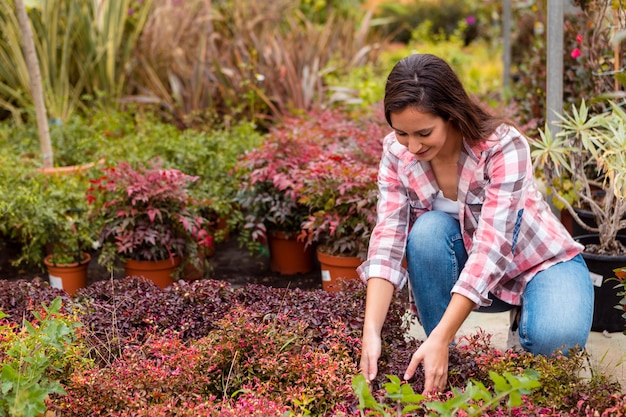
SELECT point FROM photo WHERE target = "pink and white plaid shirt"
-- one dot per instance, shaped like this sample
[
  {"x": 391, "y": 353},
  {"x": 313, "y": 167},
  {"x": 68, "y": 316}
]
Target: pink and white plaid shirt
[{"x": 509, "y": 231}]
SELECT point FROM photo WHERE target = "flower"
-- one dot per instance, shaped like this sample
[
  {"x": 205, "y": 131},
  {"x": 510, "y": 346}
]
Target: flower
[
  {"x": 470, "y": 20},
  {"x": 575, "y": 53}
]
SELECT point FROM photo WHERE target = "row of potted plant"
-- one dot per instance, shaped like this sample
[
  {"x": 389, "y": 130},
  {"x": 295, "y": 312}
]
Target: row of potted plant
[
  {"x": 313, "y": 181},
  {"x": 137, "y": 216},
  {"x": 45, "y": 211}
]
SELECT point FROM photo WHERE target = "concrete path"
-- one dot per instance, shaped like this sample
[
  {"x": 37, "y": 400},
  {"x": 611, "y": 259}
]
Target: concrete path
[{"x": 607, "y": 350}]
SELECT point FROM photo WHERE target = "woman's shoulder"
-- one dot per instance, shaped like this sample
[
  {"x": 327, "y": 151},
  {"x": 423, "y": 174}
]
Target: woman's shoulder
[
  {"x": 391, "y": 147},
  {"x": 503, "y": 137}
]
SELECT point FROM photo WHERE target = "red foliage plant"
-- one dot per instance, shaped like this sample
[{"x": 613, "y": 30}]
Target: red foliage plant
[{"x": 146, "y": 213}]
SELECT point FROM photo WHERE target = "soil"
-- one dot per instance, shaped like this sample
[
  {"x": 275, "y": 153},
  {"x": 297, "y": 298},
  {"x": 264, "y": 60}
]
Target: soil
[{"x": 229, "y": 263}]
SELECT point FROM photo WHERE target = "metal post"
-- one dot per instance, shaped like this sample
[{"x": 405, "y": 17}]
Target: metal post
[
  {"x": 554, "y": 63},
  {"x": 506, "y": 44}
]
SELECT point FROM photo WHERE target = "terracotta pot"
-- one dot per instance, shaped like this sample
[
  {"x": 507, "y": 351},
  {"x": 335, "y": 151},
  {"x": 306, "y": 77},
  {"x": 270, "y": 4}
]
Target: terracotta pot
[
  {"x": 159, "y": 272},
  {"x": 605, "y": 316},
  {"x": 336, "y": 269},
  {"x": 288, "y": 256},
  {"x": 69, "y": 277}
]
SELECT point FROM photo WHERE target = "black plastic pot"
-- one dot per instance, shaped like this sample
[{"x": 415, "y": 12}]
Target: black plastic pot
[
  {"x": 576, "y": 229},
  {"x": 605, "y": 316}
]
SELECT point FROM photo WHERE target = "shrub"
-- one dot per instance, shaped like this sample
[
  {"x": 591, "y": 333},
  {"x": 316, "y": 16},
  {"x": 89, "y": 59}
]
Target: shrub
[
  {"x": 145, "y": 213},
  {"x": 19, "y": 299},
  {"x": 36, "y": 358}
]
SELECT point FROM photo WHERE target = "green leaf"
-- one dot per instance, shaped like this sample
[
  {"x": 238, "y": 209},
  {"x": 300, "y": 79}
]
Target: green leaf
[{"x": 362, "y": 391}]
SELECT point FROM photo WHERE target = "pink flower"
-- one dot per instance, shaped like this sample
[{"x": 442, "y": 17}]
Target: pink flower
[
  {"x": 579, "y": 39},
  {"x": 575, "y": 53}
]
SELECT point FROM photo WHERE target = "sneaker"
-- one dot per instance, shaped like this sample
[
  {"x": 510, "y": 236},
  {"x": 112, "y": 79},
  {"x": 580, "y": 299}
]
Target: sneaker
[{"x": 512, "y": 341}]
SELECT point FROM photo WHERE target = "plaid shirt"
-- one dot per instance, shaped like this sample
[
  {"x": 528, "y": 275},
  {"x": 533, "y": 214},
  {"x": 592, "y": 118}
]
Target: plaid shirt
[{"x": 509, "y": 231}]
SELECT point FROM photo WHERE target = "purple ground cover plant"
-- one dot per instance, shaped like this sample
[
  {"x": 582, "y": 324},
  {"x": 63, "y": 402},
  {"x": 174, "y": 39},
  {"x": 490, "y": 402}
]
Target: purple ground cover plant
[{"x": 203, "y": 348}]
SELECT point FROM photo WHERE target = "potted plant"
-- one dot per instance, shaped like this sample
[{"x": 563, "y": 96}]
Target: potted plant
[
  {"x": 68, "y": 258},
  {"x": 34, "y": 212},
  {"x": 589, "y": 150},
  {"x": 269, "y": 194},
  {"x": 341, "y": 192},
  {"x": 146, "y": 217}
]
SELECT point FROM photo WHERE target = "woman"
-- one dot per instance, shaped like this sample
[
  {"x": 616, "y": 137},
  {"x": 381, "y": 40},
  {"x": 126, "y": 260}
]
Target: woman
[{"x": 457, "y": 197}]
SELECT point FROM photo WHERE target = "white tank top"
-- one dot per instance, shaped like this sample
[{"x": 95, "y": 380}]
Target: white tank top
[{"x": 446, "y": 205}]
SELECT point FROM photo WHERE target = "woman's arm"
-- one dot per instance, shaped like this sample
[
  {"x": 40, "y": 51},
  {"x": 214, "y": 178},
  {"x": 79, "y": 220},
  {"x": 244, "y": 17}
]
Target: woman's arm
[{"x": 379, "y": 294}]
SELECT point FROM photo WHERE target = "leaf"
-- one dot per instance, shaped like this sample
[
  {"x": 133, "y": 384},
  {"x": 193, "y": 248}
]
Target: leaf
[{"x": 362, "y": 391}]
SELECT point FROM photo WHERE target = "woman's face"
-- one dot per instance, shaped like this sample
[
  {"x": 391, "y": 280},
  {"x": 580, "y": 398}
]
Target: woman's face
[{"x": 425, "y": 135}]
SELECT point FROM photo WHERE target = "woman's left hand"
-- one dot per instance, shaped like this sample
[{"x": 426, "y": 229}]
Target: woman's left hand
[{"x": 433, "y": 355}]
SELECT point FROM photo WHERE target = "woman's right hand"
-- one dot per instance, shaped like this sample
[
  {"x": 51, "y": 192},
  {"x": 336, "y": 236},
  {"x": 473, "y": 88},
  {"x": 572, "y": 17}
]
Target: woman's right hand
[{"x": 370, "y": 353}]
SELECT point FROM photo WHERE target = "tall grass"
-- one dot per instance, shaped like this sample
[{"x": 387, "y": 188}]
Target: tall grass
[{"x": 83, "y": 47}]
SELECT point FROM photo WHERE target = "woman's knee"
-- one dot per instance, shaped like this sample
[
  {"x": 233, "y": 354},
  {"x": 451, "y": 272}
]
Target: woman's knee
[
  {"x": 431, "y": 232},
  {"x": 553, "y": 338},
  {"x": 558, "y": 309}
]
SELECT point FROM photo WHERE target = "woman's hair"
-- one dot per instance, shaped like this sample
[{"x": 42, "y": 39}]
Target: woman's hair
[{"x": 427, "y": 83}]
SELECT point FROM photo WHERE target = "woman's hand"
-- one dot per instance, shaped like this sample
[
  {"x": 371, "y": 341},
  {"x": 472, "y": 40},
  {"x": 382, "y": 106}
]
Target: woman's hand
[
  {"x": 370, "y": 353},
  {"x": 433, "y": 355}
]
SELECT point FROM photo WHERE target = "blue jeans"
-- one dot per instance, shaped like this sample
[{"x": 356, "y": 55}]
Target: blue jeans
[{"x": 557, "y": 303}]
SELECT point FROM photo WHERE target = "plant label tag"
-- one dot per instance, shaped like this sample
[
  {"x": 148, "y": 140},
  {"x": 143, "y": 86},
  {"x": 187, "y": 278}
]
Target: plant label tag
[
  {"x": 596, "y": 279},
  {"x": 326, "y": 276},
  {"x": 55, "y": 282}
]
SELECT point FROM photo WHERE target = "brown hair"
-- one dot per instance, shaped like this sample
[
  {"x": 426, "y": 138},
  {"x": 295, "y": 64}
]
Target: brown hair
[{"x": 428, "y": 84}]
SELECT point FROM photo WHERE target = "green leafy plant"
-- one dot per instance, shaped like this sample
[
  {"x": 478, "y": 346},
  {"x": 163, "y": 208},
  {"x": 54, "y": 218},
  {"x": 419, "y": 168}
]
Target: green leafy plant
[
  {"x": 475, "y": 400},
  {"x": 146, "y": 213},
  {"x": 34, "y": 359},
  {"x": 82, "y": 47},
  {"x": 588, "y": 148},
  {"x": 41, "y": 213}
]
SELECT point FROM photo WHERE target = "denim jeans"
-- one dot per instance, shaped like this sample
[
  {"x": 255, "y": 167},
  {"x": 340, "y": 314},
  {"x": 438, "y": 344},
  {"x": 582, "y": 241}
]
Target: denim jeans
[{"x": 557, "y": 304}]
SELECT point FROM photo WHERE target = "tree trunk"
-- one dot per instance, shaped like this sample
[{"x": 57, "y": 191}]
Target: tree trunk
[{"x": 35, "y": 83}]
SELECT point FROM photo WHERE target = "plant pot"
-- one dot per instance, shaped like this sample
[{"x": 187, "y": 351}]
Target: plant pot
[
  {"x": 576, "y": 229},
  {"x": 605, "y": 316},
  {"x": 159, "y": 272},
  {"x": 336, "y": 269},
  {"x": 68, "y": 277},
  {"x": 288, "y": 256},
  {"x": 572, "y": 225}
]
